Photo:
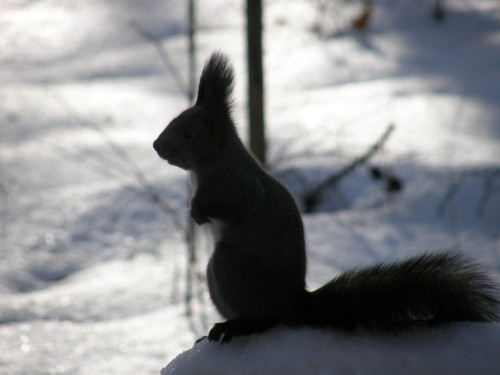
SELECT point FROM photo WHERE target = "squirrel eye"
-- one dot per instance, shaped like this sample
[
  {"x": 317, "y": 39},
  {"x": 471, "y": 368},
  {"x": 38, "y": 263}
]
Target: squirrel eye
[{"x": 186, "y": 134}]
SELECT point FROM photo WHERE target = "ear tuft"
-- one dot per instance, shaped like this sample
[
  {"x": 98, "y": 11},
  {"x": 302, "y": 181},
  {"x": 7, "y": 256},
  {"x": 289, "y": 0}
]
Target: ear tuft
[{"x": 216, "y": 85}]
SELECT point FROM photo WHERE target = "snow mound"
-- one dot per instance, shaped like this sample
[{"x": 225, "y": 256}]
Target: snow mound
[{"x": 462, "y": 348}]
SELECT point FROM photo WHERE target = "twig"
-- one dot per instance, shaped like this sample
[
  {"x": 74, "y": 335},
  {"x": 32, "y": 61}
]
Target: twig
[
  {"x": 284, "y": 155},
  {"x": 489, "y": 177},
  {"x": 164, "y": 56},
  {"x": 123, "y": 155},
  {"x": 312, "y": 197},
  {"x": 450, "y": 194},
  {"x": 488, "y": 188},
  {"x": 188, "y": 90}
]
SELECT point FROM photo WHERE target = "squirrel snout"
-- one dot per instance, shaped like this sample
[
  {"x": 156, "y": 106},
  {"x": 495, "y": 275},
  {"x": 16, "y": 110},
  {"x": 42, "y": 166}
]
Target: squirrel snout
[
  {"x": 165, "y": 150},
  {"x": 156, "y": 145},
  {"x": 162, "y": 148}
]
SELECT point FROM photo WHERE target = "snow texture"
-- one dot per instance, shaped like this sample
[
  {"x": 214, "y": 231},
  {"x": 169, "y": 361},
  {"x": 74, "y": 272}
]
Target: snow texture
[
  {"x": 460, "y": 349},
  {"x": 93, "y": 271}
]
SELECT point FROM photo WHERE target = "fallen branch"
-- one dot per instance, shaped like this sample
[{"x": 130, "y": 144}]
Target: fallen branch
[{"x": 313, "y": 197}]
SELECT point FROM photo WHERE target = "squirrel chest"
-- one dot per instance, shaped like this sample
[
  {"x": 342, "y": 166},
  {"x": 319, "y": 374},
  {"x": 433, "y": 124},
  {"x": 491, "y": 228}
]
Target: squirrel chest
[{"x": 216, "y": 226}]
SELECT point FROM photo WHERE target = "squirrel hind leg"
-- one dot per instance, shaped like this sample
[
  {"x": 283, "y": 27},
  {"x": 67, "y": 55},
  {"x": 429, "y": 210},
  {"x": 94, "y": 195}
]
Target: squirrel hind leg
[{"x": 225, "y": 331}]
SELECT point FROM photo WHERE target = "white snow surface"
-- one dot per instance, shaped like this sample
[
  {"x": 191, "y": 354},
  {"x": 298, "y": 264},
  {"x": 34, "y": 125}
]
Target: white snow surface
[
  {"x": 471, "y": 348},
  {"x": 93, "y": 271}
]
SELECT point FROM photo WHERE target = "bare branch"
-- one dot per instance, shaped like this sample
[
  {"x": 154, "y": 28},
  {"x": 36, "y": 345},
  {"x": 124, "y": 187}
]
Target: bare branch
[
  {"x": 128, "y": 162},
  {"x": 450, "y": 194},
  {"x": 164, "y": 56},
  {"x": 489, "y": 177},
  {"x": 312, "y": 198}
]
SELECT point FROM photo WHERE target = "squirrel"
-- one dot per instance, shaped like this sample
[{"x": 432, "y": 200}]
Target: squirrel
[{"x": 256, "y": 274}]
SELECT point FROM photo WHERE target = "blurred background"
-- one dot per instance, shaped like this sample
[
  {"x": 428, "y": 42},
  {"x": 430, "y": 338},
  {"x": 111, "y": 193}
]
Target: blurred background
[{"x": 382, "y": 117}]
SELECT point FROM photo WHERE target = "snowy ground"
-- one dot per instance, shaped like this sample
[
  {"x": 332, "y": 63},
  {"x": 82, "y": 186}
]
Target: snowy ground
[
  {"x": 462, "y": 349},
  {"x": 91, "y": 270}
]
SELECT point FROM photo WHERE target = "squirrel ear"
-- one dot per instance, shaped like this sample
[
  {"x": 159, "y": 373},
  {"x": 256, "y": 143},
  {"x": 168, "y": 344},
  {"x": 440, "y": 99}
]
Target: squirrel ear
[{"x": 216, "y": 88}]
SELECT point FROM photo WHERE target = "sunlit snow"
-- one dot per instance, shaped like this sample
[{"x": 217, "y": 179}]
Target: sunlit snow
[{"x": 93, "y": 270}]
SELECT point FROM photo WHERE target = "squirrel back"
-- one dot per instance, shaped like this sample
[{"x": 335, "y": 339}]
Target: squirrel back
[{"x": 256, "y": 275}]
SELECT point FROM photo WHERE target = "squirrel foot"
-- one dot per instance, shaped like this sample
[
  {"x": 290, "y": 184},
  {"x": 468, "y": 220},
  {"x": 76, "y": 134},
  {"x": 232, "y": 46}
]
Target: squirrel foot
[
  {"x": 200, "y": 339},
  {"x": 225, "y": 331}
]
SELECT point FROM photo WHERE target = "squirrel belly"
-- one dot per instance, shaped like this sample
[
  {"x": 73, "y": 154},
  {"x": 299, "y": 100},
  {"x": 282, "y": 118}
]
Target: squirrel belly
[
  {"x": 256, "y": 274},
  {"x": 217, "y": 229},
  {"x": 216, "y": 226},
  {"x": 257, "y": 269}
]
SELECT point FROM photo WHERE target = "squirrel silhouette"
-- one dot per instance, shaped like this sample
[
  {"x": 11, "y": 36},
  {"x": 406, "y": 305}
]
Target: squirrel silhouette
[{"x": 256, "y": 274}]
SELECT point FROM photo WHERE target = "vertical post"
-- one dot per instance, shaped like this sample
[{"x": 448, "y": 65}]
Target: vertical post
[
  {"x": 255, "y": 80},
  {"x": 191, "y": 51},
  {"x": 191, "y": 229}
]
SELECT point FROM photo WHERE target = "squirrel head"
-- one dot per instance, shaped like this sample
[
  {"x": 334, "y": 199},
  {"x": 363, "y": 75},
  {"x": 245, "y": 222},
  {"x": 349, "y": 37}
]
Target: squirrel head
[{"x": 199, "y": 133}]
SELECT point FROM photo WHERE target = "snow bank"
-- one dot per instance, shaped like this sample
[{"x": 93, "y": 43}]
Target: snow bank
[{"x": 464, "y": 348}]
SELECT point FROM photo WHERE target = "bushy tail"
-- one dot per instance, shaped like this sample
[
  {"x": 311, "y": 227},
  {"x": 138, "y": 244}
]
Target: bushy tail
[{"x": 422, "y": 291}]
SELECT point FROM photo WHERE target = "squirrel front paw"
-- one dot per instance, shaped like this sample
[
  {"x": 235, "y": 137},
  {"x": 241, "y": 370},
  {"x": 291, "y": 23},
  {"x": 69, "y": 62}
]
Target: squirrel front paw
[{"x": 198, "y": 217}]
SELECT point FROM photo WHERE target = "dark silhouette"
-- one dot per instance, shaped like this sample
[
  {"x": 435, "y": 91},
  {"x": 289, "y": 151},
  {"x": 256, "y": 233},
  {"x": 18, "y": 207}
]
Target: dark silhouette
[{"x": 256, "y": 275}]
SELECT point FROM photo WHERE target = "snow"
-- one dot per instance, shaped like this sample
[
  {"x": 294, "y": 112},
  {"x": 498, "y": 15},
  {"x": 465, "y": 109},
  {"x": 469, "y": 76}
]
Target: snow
[
  {"x": 93, "y": 271},
  {"x": 468, "y": 348}
]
